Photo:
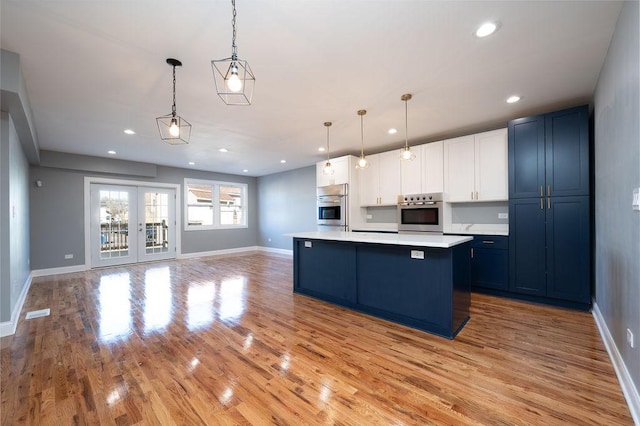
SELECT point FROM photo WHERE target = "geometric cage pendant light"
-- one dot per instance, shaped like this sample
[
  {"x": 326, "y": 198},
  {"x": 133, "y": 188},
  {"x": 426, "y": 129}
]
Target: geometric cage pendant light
[
  {"x": 174, "y": 129},
  {"x": 232, "y": 76}
]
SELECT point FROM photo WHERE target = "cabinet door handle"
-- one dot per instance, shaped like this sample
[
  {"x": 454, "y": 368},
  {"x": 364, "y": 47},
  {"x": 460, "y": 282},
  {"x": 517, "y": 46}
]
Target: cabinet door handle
[
  {"x": 472, "y": 195},
  {"x": 476, "y": 195},
  {"x": 487, "y": 242},
  {"x": 548, "y": 190},
  {"x": 541, "y": 203},
  {"x": 541, "y": 191},
  {"x": 472, "y": 252},
  {"x": 549, "y": 203}
]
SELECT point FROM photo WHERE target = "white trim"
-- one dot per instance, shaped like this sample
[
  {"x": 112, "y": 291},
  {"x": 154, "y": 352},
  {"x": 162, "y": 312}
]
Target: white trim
[
  {"x": 88, "y": 180},
  {"x": 284, "y": 252},
  {"x": 60, "y": 270},
  {"x": 626, "y": 382},
  {"x": 219, "y": 252},
  {"x": 7, "y": 328}
]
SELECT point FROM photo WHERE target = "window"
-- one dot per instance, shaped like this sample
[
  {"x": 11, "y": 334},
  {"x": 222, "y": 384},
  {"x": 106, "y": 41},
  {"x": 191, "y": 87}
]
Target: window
[{"x": 215, "y": 205}]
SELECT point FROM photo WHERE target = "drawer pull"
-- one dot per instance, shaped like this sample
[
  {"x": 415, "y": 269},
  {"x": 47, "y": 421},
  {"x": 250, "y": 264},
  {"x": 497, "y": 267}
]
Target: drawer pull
[{"x": 487, "y": 242}]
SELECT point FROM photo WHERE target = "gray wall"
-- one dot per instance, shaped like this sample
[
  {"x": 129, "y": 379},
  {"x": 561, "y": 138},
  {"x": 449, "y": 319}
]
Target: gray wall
[
  {"x": 617, "y": 172},
  {"x": 14, "y": 216},
  {"x": 287, "y": 203},
  {"x": 57, "y": 208}
]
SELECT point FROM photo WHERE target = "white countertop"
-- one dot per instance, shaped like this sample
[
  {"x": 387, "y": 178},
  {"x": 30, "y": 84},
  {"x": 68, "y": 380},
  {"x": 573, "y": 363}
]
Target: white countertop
[{"x": 436, "y": 241}]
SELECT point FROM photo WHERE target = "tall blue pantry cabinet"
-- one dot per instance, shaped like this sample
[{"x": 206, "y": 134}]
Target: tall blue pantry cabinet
[{"x": 549, "y": 208}]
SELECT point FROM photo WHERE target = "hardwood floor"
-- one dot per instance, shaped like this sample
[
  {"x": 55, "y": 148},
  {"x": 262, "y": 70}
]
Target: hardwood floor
[{"x": 225, "y": 341}]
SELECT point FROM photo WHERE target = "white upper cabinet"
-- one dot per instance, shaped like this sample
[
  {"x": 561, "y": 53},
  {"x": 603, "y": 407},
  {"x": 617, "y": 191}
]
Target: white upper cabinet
[
  {"x": 411, "y": 172},
  {"x": 475, "y": 167},
  {"x": 492, "y": 173},
  {"x": 340, "y": 174},
  {"x": 380, "y": 182},
  {"x": 433, "y": 167}
]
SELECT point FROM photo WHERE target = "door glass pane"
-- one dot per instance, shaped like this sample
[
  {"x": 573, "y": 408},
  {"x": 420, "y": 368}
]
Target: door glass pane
[
  {"x": 114, "y": 224},
  {"x": 156, "y": 214},
  {"x": 231, "y": 205}
]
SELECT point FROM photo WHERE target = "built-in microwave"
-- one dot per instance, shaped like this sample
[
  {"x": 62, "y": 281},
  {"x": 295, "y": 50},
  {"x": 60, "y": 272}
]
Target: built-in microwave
[
  {"x": 420, "y": 213},
  {"x": 332, "y": 208}
]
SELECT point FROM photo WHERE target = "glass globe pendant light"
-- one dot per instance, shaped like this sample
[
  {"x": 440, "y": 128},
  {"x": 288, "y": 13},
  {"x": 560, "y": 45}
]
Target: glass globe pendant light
[
  {"x": 362, "y": 161},
  {"x": 174, "y": 129},
  {"x": 232, "y": 76},
  {"x": 406, "y": 153},
  {"x": 328, "y": 168}
]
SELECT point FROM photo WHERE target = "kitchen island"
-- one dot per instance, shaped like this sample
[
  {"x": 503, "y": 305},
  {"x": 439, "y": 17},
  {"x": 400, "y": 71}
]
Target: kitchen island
[{"x": 422, "y": 281}]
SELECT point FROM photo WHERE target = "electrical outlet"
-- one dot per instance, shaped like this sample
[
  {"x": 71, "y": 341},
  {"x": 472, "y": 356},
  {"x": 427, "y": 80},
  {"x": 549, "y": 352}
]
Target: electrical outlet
[
  {"x": 307, "y": 244},
  {"x": 369, "y": 216},
  {"x": 635, "y": 205},
  {"x": 68, "y": 256},
  {"x": 417, "y": 254},
  {"x": 629, "y": 337},
  {"x": 503, "y": 215}
]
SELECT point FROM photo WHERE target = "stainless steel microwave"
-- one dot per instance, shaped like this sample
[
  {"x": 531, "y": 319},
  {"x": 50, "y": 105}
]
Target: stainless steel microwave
[{"x": 420, "y": 213}]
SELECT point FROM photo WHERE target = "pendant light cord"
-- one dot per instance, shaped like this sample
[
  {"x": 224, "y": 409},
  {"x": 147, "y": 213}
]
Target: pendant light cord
[
  {"x": 173, "y": 107},
  {"x": 362, "y": 135},
  {"x": 234, "y": 48},
  {"x": 406, "y": 124}
]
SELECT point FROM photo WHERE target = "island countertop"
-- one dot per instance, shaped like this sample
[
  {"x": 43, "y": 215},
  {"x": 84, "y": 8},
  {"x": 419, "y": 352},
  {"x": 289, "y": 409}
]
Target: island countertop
[{"x": 426, "y": 240}]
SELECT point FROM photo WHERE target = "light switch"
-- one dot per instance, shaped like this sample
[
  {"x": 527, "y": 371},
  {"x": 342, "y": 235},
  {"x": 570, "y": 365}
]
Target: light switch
[{"x": 636, "y": 199}]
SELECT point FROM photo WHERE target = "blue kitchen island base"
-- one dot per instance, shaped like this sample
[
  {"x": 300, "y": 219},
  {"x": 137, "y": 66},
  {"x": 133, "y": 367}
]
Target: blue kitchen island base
[{"x": 427, "y": 288}]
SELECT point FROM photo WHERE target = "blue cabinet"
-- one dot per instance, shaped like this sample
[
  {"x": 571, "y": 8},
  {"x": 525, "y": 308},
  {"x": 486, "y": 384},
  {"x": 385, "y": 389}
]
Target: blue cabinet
[
  {"x": 549, "y": 154},
  {"x": 549, "y": 207},
  {"x": 489, "y": 262}
]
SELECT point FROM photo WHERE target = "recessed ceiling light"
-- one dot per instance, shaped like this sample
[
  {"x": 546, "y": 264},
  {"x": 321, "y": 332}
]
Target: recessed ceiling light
[
  {"x": 223, "y": 150},
  {"x": 283, "y": 161},
  {"x": 486, "y": 29},
  {"x": 392, "y": 131},
  {"x": 129, "y": 132},
  {"x": 245, "y": 171},
  {"x": 191, "y": 163},
  {"x": 513, "y": 99},
  {"x": 321, "y": 149},
  {"x": 111, "y": 152}
]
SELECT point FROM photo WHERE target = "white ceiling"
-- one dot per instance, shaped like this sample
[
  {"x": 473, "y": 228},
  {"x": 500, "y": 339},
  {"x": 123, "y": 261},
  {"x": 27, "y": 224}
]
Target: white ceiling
[{"x": 95, "y": 68}]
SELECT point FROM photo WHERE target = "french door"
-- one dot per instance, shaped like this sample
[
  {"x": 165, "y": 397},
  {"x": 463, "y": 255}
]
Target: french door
[{"x": 131, "y": 224}]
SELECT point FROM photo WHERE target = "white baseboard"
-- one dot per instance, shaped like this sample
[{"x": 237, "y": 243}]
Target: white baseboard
[
  {"x": 7, "y": 328},
  {"x": 61, "y": 270},
  {"x": 238, "y": 250},
  {"x": 626, "y": 382},
  {"x": 273, "y": 250},
  {"x": 218, "y": 252}
]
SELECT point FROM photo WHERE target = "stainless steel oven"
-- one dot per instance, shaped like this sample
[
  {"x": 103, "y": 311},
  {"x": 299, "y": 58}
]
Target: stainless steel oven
[
  {"x": 332, "y": 204},
  {"x": 420, "y": 213}
]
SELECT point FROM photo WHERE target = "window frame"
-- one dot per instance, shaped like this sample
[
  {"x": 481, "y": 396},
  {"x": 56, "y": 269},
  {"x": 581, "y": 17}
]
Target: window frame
[{"x": 215, "y": 203}]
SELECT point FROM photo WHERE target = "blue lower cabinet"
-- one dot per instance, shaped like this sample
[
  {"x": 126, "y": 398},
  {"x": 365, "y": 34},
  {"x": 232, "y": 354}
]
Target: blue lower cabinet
[
  {"x": 327, "y": 269},
  {"x": 424, "y": 288},
  {"x": 549, "y": 249},
  {"x": 489, "y": 262}
]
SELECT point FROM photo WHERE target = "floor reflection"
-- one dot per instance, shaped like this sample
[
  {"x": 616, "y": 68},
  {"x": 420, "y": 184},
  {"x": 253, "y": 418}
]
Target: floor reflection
[
  {"x": 233, "y": 299},
  {"x": 158, "y": 305},
  {"x": 115, "y": 306},
  {"x": 200, "y": 305}
]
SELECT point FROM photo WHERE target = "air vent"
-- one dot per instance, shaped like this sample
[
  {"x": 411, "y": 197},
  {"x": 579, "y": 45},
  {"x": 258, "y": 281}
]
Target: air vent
[{"x": 38, "y": 314}]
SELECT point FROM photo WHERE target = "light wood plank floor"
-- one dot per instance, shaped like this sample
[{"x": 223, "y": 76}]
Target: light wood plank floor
[{"x": 225, "y": 341}]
